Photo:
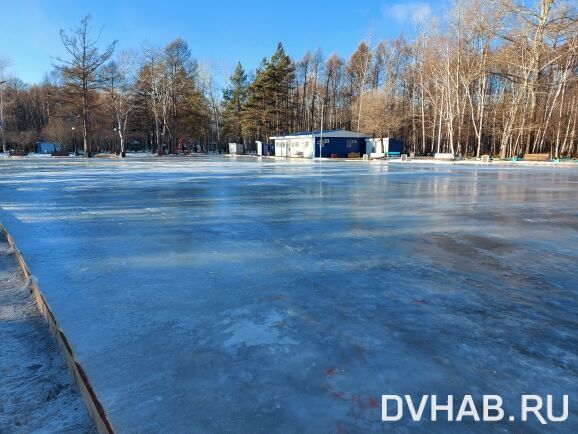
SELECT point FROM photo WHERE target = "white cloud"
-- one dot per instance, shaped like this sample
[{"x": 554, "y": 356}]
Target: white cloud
[{"x": 414, "y": 11}]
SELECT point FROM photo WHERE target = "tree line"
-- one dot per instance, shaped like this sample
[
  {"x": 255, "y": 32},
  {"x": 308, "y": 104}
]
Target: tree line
[{"x": 495, "y": 77}]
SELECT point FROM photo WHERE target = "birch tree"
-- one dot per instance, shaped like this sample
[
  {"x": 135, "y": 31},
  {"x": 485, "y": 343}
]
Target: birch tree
[
  {"x": 153, "y": 85},
  {"x": 119, "y": 84}
]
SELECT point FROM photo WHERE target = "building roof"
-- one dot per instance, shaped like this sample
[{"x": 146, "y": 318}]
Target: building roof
[
  {"x": 309, "y": 133},
  {"x": 326, "y": 133}
]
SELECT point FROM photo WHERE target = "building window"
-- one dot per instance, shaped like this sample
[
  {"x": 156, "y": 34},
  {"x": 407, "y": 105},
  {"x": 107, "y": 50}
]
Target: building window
[{"x": 351, "y": 143}]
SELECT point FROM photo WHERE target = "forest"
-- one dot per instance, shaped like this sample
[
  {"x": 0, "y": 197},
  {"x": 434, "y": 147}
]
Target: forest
[{"x": 489, "y": 77}]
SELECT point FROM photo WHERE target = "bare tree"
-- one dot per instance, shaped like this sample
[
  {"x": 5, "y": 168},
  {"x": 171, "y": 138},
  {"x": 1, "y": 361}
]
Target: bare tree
[
  {"x": 302, "y": 77},
  {"x": 4, "y": 63},
  {"x": 334, "y": 71},
  {"x": 80, "y": 71},
  {"x": 211, "y": 91},
  {"x": 119, "y": 84},
  {"x": 358, "y": 69},
  {"x": 179, "y": 68},
  {"x": 153, "y": 84}
]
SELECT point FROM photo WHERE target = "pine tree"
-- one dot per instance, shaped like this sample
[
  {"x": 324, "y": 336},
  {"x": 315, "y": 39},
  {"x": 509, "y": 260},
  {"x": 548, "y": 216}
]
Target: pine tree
[
  {"x": 269, "y": 109},
  {"x": 280, "y": 77},
  {"x": 255, "y": 113},
  {"x": 234, "y": 101}
]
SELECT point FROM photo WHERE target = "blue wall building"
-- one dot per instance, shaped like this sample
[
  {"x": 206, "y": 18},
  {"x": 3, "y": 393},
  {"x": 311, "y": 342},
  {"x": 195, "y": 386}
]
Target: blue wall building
[
  {"x": 47, "y": 147},
  {"x": 336, "y": 143}
]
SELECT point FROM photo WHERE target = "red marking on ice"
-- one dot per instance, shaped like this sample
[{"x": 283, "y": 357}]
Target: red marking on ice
[
  {"x": 334, "y": 392},
  {"x": 417, "y": 301},
  {"x": 330, "y": 372},
  {"x": 340, "y": 428},
  {"x": 364, "y": 404}
]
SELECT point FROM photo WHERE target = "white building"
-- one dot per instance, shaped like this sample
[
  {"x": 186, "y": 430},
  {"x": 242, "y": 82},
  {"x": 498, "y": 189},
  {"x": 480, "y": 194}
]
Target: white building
[
  {"x": 338, "y": 143},
  {"x": 377, "y": 148},
  {"x": 236, "y": 149}
]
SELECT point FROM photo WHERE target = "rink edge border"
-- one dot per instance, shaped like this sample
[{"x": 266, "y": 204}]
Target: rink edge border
[{"x": 95, "y": 408}]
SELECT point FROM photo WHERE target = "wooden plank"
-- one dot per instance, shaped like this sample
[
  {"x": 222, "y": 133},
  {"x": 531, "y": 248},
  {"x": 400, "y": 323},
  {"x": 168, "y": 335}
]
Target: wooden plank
[
  {"x": 537, "y": 157},
  {"x": 95, "y": 408}
]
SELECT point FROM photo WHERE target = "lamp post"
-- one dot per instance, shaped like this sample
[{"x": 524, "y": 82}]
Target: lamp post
[
  {"x": 2, "y": 114},
  {"x": 321, "y": 130},
  {"x": 115, "y": 141},
  {"x": 74, "y": 139}
]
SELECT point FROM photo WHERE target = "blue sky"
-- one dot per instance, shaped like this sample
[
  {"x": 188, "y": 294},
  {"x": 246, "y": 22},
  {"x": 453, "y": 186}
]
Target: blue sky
[{"x": 219, "y": 33}]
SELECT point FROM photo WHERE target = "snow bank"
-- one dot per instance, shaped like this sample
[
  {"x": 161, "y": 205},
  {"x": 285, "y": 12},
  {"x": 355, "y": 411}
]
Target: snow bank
[{"x": 36, "y": 388}]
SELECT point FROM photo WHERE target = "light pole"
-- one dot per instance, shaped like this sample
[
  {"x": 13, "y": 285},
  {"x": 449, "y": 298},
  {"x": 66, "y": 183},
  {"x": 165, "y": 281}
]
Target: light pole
[
  {"x": 321, "y": 130},
  {"x": 2, "y": 114},
  {"x": 321, "y": 133},
  {"x": 74, "y": 139}
]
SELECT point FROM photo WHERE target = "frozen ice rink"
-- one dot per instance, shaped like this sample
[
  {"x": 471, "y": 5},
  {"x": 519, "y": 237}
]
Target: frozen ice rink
[{"x": 234, "y": 295}]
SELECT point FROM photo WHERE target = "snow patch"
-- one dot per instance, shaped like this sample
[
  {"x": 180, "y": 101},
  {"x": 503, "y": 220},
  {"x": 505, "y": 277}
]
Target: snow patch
[
  {"x": 251, "y": 333},
  {"x": 37, "y": 393}
]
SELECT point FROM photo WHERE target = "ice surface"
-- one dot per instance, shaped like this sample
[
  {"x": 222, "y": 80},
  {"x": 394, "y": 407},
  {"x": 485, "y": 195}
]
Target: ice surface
[{"x": 235, "y": 295}]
